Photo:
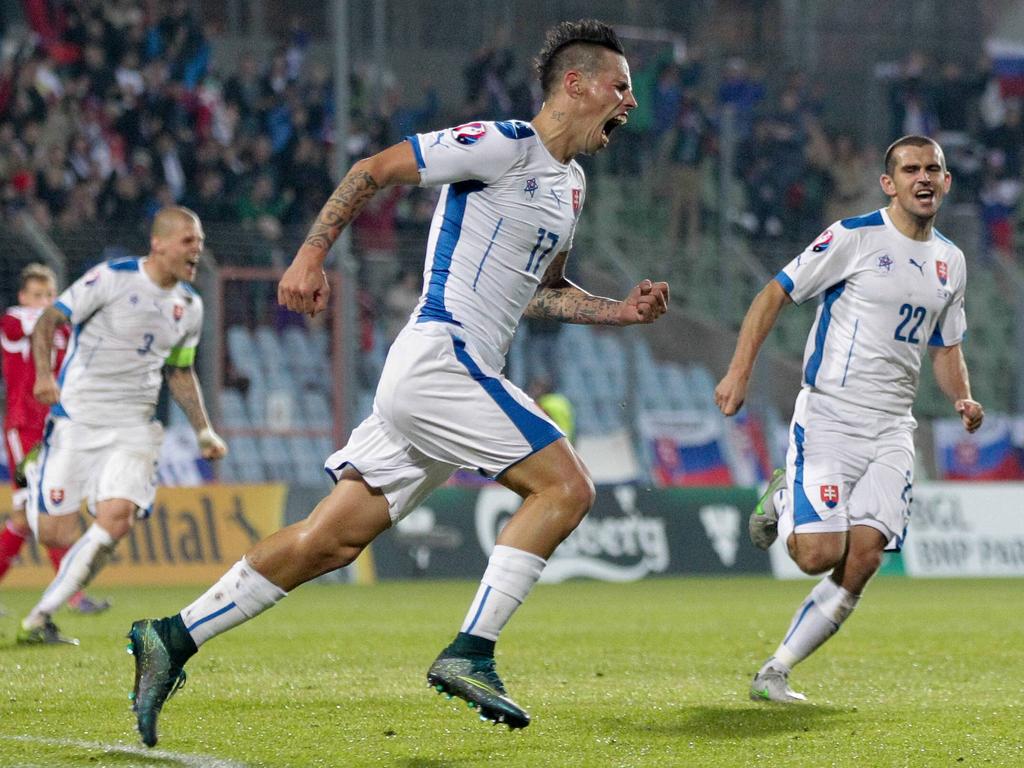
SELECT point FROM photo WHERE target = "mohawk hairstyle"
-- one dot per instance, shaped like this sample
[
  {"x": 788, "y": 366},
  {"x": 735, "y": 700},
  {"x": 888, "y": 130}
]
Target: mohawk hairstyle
[
  {"x": 910, "y": 141},
  {"x": 572, "y": 45}
]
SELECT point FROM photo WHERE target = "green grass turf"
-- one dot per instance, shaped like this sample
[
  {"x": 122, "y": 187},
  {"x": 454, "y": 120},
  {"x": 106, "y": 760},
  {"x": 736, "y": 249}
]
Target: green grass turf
[{"x": 926, "y": 673}]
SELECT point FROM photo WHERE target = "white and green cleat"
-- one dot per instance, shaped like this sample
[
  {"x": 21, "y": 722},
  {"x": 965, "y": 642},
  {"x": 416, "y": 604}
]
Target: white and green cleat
[
  {"x": 763, "y": 524},
  {"x": 773, "y": 685}
]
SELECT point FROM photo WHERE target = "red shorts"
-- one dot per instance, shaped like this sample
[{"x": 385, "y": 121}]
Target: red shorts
[{"x": 19, "y": 441}]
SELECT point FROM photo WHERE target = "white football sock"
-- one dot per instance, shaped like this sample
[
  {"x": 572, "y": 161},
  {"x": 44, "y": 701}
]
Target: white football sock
[
  {"x": 785, "y": 512},
  {"x": 82, "y": 562},
  {"x": 816, "y": 620},
  {"x": 238, "y": 596},
  {"x": 510, "y": 575}
]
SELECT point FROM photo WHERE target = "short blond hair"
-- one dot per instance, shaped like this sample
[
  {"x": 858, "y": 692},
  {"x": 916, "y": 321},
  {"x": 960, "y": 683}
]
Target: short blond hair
[
  {"x": 36, "y": 271},
  {"x": 167, "y": 219}
]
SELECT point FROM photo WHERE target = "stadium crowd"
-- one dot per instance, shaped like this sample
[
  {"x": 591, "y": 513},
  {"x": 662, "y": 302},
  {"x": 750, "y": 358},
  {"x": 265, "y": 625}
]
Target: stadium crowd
[{"x": 110, "y": 110}]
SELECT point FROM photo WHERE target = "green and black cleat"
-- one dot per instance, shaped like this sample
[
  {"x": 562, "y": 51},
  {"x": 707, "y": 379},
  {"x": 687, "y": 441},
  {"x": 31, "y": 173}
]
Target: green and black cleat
[
  {"x": 159, "y": 662},
  {"x": 46, "y": 633},
  {"x": 474, "y": 679}
]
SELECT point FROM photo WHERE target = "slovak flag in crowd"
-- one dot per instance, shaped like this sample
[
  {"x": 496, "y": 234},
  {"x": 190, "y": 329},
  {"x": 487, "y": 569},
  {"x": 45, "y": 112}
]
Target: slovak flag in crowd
[
  {"x": 994, "y": 452},
  {"x": 685, "y": 449},
  {"x": 1008, "y": 66}
]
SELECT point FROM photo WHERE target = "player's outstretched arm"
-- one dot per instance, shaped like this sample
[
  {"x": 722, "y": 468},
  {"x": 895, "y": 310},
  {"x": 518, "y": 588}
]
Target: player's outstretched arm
[
  {"x": 757, "y": 324},
  {"x": 557, "y": 298},
  {"x": 45, "y": 389},
  {"x": 184, "y": 387},
  {"x": 304, "y": 287},
  {"x": 952, "y": 377}
]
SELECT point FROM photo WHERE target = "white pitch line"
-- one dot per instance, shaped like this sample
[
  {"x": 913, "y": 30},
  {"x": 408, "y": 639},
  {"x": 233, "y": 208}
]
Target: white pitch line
[{"x": 190, "y": 761}]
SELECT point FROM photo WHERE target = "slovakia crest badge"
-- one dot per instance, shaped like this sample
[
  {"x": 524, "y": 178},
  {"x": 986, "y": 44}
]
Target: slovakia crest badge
[{"x": 830, "y": 495}]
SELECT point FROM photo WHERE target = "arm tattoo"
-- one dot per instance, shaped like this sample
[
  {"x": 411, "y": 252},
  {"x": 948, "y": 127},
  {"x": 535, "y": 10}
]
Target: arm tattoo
[
  {"x": 348, "y": 199},
  {"x": 571, "y": 304},
  {"x": 184, "y": 387},
  {"x": 557, "y": 298}
]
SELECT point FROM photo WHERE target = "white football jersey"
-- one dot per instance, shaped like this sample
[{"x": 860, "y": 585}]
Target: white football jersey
[
  {"x": 506, "y": 210},
  {"x": 884, "y": 298},
  {"x": 125, "y": 329}
]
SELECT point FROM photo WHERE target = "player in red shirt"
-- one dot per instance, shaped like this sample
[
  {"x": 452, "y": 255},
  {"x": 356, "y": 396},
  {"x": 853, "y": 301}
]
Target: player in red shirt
[{"x": 23, "y": 421}]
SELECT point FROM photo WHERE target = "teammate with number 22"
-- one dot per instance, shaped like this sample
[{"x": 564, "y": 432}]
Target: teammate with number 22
[
  {"x": 890, "y": 287},
  {"x": 510, "y": 201}
]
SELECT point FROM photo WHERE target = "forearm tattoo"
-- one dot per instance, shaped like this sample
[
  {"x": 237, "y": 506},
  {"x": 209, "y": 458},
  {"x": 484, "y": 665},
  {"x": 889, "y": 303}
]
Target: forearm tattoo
[
  {"x": 348, "y": 199},
  {"x": 572, "y": 304},
  {"x": 184, "y": 388}
]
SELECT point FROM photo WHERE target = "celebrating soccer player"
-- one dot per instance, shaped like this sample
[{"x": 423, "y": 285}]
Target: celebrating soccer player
[
  {"x": 510, "y": 202},
  {"x": 890, "y": 286},
  {"x": 133, "y": 319}
]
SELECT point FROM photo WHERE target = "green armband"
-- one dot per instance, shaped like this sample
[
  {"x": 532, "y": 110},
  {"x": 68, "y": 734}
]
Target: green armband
[{"x": 181, "y": 357}]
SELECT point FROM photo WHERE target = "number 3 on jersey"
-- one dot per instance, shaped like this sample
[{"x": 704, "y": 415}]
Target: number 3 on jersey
[
  {"x": 910, "y": 313},
  {"x": 542, "y": 235}
]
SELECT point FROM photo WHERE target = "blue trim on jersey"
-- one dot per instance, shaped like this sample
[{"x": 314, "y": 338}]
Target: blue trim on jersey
[
  {"x": 514, "y": 129},
  {"x": 42, "y": 464},
  {"x": 868, "y": 220},
  {"x": 537, "y": 431},
  {"x": 213, "y": 615},
  {"x": 63, "y": 308},
  {"x": 479, "y": 610},
  {"x": 942, "y": 237},
  {"x": 803, "y": 510},
  {"x": 785, "y": 281},
  {"x": 849, "y": 354},
  {"x": 494, "y": 237},
  {"x": 417, "y": 151},
  {"x": 188, "y": 288},
  {"x": 936, "y": 339},
  {"x": 58, "y": 410},
  {"x": 814, "y": 363},
  {"x": 127, "y": 264},
  {"x": 451, "y": 229}
]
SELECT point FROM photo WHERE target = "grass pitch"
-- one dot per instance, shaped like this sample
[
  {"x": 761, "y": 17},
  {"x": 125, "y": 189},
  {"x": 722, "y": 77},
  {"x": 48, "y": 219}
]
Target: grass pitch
[{"x": 926, "y": 673}]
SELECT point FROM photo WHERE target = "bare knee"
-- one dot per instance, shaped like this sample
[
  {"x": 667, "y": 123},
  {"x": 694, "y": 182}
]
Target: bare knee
[
  {"x": 574, "y": 496},
  {"x": 816, "y": 558},
  {"x": 322, "y": 551}
]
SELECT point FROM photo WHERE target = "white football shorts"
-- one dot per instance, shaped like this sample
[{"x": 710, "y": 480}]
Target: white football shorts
[
  {"x": 847, "y": 466},
  {"x": 80, "y": 461},
  {"x": 440, "y": 405}
]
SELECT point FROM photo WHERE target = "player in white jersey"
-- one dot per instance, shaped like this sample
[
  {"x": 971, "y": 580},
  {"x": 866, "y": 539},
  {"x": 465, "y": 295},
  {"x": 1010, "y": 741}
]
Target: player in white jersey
[
  {"x": 498, "y": 243},
  {"x": 132, "y": 319},
  {"x": 890, "y": 285}
]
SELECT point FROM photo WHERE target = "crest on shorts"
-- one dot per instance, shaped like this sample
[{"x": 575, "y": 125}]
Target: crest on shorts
[
  {"x": 823, "y": 242},
  {"x": 178, "y": 312},
  {"x": 942, "y": 271},
  {"x": 577, "y": 200},
  {"x": 469, "y": 133},
  {"x": 830, "y": 495},
  {"x": 56, "y": 495}
]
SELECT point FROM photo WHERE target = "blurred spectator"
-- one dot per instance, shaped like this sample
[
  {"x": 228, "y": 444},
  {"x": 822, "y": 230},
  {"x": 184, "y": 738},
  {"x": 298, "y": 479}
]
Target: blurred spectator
[
  {"x": 685, "y": 149},
  {"x": 556, "y": 405},
  {"x": 852, "y": 181}
]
